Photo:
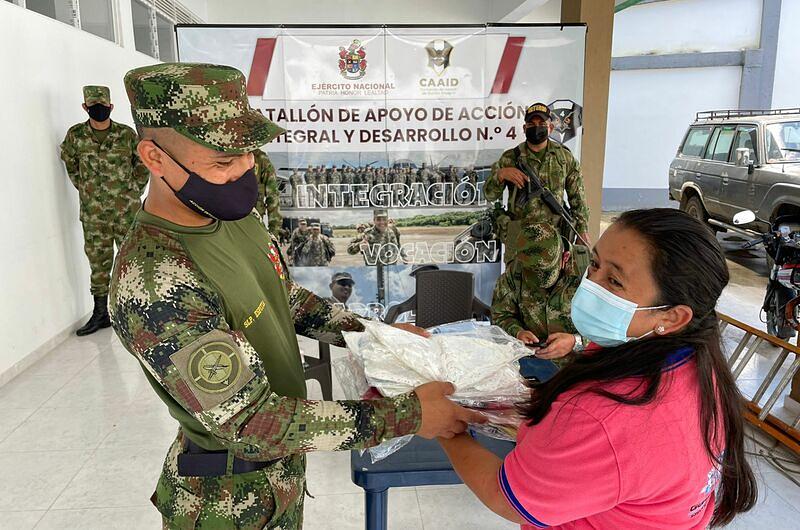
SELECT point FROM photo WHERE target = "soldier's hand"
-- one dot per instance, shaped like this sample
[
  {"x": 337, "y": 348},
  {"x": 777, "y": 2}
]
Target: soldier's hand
[
  {"x": 558, "y": 345},
  {"x": 527, "y": 337},
  {"x": 512, "y": 175},
  {"x": 411, "y": 328},
  {"x": 441, "y": 418}
]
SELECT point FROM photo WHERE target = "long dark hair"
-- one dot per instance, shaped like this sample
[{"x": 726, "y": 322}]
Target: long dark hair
[{"x": 689, "y": 269}]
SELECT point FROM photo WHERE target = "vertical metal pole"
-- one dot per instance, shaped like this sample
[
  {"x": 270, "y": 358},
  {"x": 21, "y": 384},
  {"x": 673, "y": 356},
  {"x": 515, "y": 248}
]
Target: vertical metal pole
[
  {"x": 75, "y": 11},
  {"x": 154, "y": 32}
]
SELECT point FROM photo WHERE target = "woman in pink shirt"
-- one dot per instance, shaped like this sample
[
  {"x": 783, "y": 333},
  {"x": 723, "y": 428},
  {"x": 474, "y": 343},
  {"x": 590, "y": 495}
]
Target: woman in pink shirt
[{"x": 643, "y": 430}]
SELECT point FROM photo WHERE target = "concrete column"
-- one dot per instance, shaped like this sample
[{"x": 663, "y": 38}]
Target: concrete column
[{"x": 599, "y": 18}]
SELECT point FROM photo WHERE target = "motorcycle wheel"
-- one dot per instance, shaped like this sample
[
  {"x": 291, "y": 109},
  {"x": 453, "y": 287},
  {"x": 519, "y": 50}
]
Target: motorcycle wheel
[{"x": 776, "y": 323}]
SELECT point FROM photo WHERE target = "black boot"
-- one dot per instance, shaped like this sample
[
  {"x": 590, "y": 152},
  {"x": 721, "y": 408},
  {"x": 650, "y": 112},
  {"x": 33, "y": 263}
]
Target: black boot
[{"x": 99, "y": 319}]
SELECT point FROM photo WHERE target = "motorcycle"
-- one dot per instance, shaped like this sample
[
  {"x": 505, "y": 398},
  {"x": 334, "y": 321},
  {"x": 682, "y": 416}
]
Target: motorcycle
[{"x": 782, "y": 299}]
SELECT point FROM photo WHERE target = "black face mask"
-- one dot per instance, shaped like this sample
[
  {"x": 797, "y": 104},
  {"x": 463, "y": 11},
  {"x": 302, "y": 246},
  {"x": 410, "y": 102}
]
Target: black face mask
[
  {"x": 536, "y": 134},
  {"x": 99, "y": 112},
  {"x": 227, "y": 202}
]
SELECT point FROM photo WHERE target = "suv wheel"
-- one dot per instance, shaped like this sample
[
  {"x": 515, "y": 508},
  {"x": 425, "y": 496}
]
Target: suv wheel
[{"x": 694, "y": 207}]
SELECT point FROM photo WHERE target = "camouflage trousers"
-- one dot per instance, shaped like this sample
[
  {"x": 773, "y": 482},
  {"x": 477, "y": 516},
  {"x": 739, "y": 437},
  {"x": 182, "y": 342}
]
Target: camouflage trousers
[
  {"x": 98, "y": 244},
  {"x": 268, "y": 498}
]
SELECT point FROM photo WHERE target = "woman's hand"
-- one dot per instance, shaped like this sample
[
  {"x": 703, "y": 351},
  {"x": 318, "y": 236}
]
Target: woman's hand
[
  {"x": 527, "y": 337},
  {"x": 558, "y": 345}
]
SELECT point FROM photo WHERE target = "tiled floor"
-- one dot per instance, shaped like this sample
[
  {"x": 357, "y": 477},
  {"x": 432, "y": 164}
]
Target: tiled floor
[{"x": 83, "y": 438}]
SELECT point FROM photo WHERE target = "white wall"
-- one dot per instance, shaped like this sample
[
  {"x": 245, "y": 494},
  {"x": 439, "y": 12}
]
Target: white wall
[
  {"x": 787, "y": 65},
  {"x": 358, "y": 11},
  {"x": 680, "y": 26},
  {"x": 199, "y": 7},
  {"x": 44, "y": 272},
  {"x": 648, "y": 113}
]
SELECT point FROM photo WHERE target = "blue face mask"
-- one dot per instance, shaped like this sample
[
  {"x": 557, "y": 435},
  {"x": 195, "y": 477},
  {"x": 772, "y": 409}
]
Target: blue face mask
[{"x": 603, "y": 317}]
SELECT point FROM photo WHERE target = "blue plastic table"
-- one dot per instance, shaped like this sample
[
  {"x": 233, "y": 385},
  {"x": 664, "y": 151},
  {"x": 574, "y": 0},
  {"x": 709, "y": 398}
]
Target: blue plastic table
[{"x": 420, "y": 463}]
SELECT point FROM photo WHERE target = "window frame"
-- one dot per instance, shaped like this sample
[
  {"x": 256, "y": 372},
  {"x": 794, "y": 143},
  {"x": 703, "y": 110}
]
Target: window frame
[
  {"x": 693, "y": 128},
  {"x": 709, "y": 152},
  {"x": 739, "y": 129}
]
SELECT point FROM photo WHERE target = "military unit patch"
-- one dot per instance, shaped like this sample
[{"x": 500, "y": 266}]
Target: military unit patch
[{"x": 213, "y": 367}]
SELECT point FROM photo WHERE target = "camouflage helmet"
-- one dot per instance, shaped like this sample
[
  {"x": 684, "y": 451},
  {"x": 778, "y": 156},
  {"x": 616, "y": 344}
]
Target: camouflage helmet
[
  {"x": 93, "y": 94},
  {"x": 206, "y": 103}
]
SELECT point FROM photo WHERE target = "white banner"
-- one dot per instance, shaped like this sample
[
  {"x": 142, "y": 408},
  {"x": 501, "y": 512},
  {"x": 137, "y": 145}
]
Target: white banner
[
  {"x": 408, "y": 119},
  {"x": 450, "y": 95}
]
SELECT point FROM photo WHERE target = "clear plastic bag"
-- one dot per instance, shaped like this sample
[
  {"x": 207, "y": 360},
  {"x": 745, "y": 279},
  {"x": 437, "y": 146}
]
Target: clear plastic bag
[{"x": 481, "y": 361}]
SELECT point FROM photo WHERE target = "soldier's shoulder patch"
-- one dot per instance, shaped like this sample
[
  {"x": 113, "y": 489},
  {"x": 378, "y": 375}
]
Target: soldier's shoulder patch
[{"x": 213, "y": 367}]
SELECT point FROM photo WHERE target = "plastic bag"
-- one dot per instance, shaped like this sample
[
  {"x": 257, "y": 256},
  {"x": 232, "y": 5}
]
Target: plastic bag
[{"x": 481, "y": 361}]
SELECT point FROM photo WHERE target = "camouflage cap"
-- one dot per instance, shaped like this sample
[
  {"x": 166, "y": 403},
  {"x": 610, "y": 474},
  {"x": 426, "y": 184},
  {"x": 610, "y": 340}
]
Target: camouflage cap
[
  {"x": 342, "y": 276},
  {"x": 93, "y": 94},
  {"x": 315, "y": 225},
  {"x": 380, "y": 213},
  {"x": 206, "y": 103}
]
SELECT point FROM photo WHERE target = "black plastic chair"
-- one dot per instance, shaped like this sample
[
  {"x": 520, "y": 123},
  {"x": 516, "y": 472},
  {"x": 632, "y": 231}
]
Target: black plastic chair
[
  {"x": 320, "y": 369},
  {"x": 442, "y": 296}
]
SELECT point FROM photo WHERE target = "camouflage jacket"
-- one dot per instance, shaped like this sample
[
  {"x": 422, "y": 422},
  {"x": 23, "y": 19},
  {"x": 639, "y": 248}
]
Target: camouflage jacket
[
  {"x": 296, "y": 241},
  {"x": 516, "y": 307},
  {"x": 382, "y": 246},
  {"x": 558, "y": 171},
  {"x": 315, "y": 252},
  {"x": 269, "y": 197},
  {"x": 211, "y": 314},
  {"x": 109, "y": 176}
]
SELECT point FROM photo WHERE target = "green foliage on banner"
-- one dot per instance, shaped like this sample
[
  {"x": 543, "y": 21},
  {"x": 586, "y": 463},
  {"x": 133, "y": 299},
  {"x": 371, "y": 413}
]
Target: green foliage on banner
[{"x": 445, "y": 219}]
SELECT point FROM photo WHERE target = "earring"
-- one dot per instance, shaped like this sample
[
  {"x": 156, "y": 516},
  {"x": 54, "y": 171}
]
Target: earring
[{"x": 660, "y": 330}]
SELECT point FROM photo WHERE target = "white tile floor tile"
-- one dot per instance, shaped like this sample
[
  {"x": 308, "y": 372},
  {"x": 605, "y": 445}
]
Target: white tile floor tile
[
  {"x": 26, "y": 391},
  {"x": 59, "y": 430},
  {"x": 32, "y": 481},
  {"x": 325, "y": 471},
  {"x": 20, "y": 520},
  {"x": 111, "y": 478},
  {"x": 457, "y": 508},
  {"x": 13, "y": 418},
  {"x": 346, "y": 511},
  {"x": 101, "y": 519}
]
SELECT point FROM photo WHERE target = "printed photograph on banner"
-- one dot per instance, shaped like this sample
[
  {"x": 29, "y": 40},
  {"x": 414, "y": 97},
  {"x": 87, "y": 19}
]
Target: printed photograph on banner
[
  {"x": 401, "y": 285},
  {"x": 404, "y": 184},
  {"x": 384, "y": 237},
  {"x": 374, "y": 292},
  {"x": 353, "y": 288}
]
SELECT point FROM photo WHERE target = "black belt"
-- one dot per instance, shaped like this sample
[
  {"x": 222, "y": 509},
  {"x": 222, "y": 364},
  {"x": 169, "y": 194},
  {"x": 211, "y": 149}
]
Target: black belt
[{"x": 198, "y": 462}]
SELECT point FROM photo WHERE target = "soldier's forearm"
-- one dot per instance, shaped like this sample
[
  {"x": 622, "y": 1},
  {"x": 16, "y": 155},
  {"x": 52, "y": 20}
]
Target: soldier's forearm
[
  {"x": 283, "y": 426},
  {"x": 318, "y": 319}
]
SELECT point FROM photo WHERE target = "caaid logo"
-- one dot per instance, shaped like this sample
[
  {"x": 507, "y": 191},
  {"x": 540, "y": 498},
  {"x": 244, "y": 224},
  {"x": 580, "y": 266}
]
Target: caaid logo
[
  {"x": 438, "y": 51},
  {"x": 353, "y": 60},
  {"x": 439, "y": 55}
]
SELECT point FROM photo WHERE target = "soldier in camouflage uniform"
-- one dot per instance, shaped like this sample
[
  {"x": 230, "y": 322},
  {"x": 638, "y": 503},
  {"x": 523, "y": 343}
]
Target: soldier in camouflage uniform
[
  {"x": 269, "y": 198},
  {"x": 296, "y": 240},
  {"x": 529, "y": 230},
  {"x": 208, "y": 309},
  {"x": 341, "y": 288},
  {"x": 316, "y": 251},
  {"x": 100, "y": 155},
  {"x": 532, "y": 312},
  {"x": 379, "y": 243}
]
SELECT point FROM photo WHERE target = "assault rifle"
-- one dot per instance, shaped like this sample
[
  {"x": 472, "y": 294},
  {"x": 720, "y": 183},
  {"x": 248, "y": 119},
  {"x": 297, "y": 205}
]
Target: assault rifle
[{"x": 534, "y": 188}]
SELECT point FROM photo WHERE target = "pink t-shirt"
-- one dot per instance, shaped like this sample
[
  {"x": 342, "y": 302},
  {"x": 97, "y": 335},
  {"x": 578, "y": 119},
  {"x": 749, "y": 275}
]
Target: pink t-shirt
[{"x": 596, "y": 463}]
